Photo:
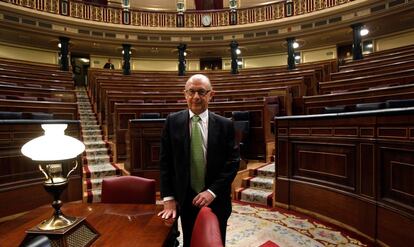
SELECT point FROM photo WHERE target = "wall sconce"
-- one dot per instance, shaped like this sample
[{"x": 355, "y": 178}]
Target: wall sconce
[
  {"x": 55, "y": 153},
  {"x": 364, "y": 31},
  {"x": 295, "y": 45}
]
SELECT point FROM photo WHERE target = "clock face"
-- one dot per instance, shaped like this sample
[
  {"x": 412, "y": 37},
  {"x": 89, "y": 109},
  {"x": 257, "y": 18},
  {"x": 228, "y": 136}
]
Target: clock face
[{"x": 206, "y": 20}]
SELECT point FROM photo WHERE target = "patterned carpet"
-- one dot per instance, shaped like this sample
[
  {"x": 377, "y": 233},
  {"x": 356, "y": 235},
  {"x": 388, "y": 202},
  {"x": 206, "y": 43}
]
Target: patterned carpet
[{"x": 251, "y": 226}]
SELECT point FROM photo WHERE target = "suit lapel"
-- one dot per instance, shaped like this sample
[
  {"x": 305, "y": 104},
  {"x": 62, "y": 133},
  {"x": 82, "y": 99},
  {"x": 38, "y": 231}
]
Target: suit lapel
[
  {"x": 212, "y": 134},
  {"x": 185, "y": 132}
]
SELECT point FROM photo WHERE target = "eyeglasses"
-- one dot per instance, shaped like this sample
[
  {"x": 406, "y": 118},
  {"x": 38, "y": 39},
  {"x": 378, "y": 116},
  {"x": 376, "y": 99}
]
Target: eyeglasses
[{"x": 201, "y": 92}]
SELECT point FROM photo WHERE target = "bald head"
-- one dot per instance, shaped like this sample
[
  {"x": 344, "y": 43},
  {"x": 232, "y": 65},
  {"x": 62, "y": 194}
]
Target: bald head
[{"x": 199, "y": 78}]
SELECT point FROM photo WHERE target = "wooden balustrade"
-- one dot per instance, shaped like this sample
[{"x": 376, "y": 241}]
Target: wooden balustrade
[{"x": 192, "y": 19}]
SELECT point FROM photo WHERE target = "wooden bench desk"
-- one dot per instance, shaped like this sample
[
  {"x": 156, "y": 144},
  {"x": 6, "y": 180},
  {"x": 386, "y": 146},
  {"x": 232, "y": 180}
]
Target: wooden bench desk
[{"x": 117, "y": 224}]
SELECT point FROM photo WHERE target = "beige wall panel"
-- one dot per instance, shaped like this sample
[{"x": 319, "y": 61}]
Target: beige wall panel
[
  {"x": 154, "y": 64},
  {"x": 264, "y": 61},
  {"x": 226, "y": 63},
  {"x": 28, "y": 54},
  {"x": 193, "y": 64},
  {"x": 308, "y": 56},
  {"x": 394, "y": 41}
]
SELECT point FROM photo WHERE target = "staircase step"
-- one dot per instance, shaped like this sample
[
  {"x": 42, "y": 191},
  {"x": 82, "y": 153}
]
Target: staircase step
[
  {"x": 92, "y": 138},
  {"x": 92, "y": 132},
  {"x": 262, "y": 183},
  {"x": 86, "y": 126},
  {"x": 95, "y": 145},
  {"x": 94, "y": 183},
  {"x": 251, "y": 195},
  {"x": 99, "y": 171},
  {"x": 96, "y": 151},
  {"x": 96, "y": 160},
  {"x": 92, "y": 196},
  {"x": 267, "y": 171}
]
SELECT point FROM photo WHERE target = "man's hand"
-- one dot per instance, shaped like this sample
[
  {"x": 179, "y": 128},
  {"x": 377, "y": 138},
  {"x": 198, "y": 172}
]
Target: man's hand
[
  {"x": 203, "y": 199},
  {"x": 170, "y": 210}
]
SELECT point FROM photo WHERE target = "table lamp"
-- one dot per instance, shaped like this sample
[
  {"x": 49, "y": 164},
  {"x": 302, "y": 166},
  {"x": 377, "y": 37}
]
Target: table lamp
[
  {"x": 50, "y": 152},
  {"x": 56, "y": 154}
]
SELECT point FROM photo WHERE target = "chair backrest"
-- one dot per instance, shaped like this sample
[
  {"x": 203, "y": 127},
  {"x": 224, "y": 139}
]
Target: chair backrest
[
  {"x": 241, "y": 120},
  {"x": 128, "y": 189},
  {"x": 206, "y": 231}
]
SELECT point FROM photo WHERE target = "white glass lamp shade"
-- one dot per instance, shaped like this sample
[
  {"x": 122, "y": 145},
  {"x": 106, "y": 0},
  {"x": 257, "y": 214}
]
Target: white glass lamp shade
[{"x": 53, "y": 145}]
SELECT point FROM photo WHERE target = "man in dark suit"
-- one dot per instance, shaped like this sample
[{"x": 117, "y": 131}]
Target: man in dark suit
[
  {"x": 109, "y": 65},
  {"x": 193, "y": 177}
]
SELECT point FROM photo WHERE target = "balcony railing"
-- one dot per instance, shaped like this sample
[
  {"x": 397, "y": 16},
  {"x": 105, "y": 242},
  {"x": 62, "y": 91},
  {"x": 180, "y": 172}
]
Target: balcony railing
[{"x": 192, "y": 19}]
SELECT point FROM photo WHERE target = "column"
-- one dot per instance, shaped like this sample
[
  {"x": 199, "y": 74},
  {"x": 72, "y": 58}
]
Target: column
[
  {"x": 234, "y": 66},
  {"x": 356, "y": 42},
  {"x": 291, "y": 53},
  {"x": 64, "y": 51},
  {"x": 181, "y": 58},
  {"x": 126, "y": 50}
]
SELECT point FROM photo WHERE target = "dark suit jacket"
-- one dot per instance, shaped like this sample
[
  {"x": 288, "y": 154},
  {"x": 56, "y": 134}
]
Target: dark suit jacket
[{"x": 222, "y": 157}]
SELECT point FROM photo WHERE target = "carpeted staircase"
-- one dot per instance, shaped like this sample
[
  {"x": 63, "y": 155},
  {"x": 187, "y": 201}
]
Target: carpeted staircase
[
  {"x": 97, "y": 162},
  {"x": 258, "y": 187}
]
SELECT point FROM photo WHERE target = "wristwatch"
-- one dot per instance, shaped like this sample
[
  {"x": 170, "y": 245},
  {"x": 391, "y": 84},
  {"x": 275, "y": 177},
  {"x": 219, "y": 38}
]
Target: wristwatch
[{"x": 206, "y": 20}]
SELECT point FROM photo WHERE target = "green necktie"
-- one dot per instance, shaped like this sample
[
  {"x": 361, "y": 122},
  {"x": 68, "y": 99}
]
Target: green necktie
[{"x": 197, "y": 156}]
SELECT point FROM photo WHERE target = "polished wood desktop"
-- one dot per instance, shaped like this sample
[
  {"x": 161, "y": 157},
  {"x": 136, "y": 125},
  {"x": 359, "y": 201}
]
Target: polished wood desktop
[{"x": 118, "y": 224}]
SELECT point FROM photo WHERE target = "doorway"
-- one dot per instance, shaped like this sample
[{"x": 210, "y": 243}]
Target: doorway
[
  {"x": 211, "y": 63},
  {"x": 80, "y": 65}
]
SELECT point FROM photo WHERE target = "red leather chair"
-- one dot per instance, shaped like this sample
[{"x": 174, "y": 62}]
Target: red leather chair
[
  {"x": 128, "y": 189},
  {"x": 206, "y": 231}
]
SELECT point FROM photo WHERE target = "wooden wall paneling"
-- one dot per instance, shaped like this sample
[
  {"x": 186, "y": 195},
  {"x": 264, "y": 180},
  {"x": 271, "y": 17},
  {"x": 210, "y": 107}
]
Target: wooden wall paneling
[
  {"x": 367, "y": 169},
  {"x": 347, "y": 208},
  {"x": 144, "y": 147},
  {"x": 370, "y": 187},
  {"x": 393, "y": 228},
  {"x": 324, "y": 162}
]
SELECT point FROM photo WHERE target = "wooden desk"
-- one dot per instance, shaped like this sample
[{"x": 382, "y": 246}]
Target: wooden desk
[{"x": 118, "y": 224}]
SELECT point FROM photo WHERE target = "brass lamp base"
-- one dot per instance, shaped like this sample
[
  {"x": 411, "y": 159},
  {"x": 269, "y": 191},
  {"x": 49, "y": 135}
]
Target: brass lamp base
[
  {"x": 78, "y": 234},
  {"x": 57, "y": 222}
]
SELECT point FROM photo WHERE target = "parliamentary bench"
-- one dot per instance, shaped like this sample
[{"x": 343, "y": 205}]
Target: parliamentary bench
[
  {"x": 36, "y": 82},
  {"x": 34, "y": 73},
  {"x": 261, "y": 113},
  {"x": 21, "y": 181},
  {"x": 322, "y": 70},
  {"x": 349, "y": 99},
  {"x": 34, "y": 68},
  {"x": 373, "y": 70},
  {"x": 362, "y": 159},
  {"x": 377, "y": 61},
  {"x": 379, "y": 55},
  {"x": 283, "y": 94},
  {"x": 369, "y": 81},
  {"x": 60, "y": 110},
  {"x": 309, "y": 81},
  {"x": 297, "y": 87},
  {"x": 46, "y": 94},
  {"x": 309, "y": 77},
  {"x": 28, "y": 64},
  {"x": 297, "y": 84}
]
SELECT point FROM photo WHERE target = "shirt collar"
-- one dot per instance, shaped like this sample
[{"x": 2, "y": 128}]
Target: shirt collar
[{"x": 203, "y": 115}]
